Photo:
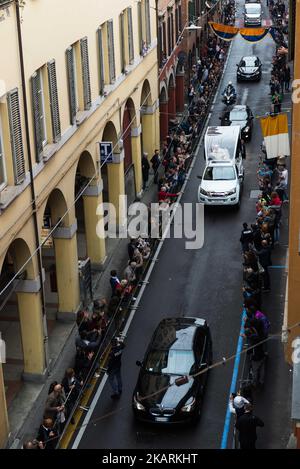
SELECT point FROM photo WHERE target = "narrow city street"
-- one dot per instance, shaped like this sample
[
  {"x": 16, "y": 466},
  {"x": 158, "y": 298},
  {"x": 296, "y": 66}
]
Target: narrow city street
[{"x": 207, "y": 283}]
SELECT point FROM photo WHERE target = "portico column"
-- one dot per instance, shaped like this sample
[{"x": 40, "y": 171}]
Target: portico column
[
  {"x": 94, "y": 224},
  {"x": 66, "y": 257},
  {"x": 116, "y": 188},
  {"x": 164, "y": 120},
  {"x": 4, "y": 426},
  {"x": 180, "y": 91},
  {"x": 137, "y": 157},
  {"x": 172, "y": 103},
  {"x": 32, "y": 331},
  {"x": 150, "y": 128}
]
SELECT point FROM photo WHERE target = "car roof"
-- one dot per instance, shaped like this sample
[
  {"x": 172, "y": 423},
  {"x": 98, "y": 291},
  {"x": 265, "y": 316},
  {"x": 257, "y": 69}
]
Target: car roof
[{"x": 178, "y": 333}]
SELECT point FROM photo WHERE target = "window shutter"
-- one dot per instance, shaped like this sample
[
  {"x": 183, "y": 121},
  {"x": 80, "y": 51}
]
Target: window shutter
[
  {"x": 54, "y": 101},
  {"x": 71, "y": 80},
  {"x": 130, "y": 35},
  {"x": 85, "y": 73},
  {"x": 16, "y": 135},
  {"x": 101, "y": 63},
  {"x": 37, "y": 114},
  {"x": 140, "y": 22},
  {"x": 148, "y": 22},
  {"x": 122, "y": 42},
  {"x": 111, "y": 51}
]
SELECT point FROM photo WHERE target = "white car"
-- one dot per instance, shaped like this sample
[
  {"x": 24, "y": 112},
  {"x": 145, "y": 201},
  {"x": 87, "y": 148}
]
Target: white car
[{"x": 221, "y": 183}]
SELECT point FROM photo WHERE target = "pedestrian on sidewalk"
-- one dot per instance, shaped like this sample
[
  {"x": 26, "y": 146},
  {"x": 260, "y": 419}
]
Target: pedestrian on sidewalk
[
  {"x": 246, "y": 425},
  {"x": 145, "y": 170},
  {"x": 114, "y": 368},
  {"x": 264, "y": 255},
  {"x": 114, "y": 281},
  {"x": 155, "y": 161},
  {"x": 47, "y": 434}
]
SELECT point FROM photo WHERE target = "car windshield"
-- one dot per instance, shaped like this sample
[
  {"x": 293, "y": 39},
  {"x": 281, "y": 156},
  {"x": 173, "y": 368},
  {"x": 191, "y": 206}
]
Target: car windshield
[
  {"x": 219, "y": 173},
  {"x": 238, "y": 115},
  {"x": 250, "y": 62},
  {"x": 252, "y": 9},
  {"x": 170, "y": 362}
]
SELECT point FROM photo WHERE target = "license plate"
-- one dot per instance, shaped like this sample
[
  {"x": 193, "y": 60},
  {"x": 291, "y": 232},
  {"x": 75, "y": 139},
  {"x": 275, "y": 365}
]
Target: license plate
[{"x": 161, "y": 419}]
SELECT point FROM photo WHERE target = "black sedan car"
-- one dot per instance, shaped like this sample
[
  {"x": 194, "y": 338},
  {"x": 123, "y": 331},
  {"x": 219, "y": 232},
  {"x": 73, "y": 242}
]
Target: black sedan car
[
  {"x": 240, "y": 115},
  {"x": 168, "y": 388},
  {"x": 249, "y": 69}
]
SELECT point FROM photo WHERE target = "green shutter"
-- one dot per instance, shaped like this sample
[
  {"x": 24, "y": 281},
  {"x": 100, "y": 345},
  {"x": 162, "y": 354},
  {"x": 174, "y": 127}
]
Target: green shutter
[
  {"x": 111, "y": 51},
  {"x": 122, "y": 43},
  {"x": 130, "y": 35},
  {"x": 85, "y": 73},
  {"x": 37, "y": 115},
  {"x": 101, "y": 62},
  {"x": 54, "y": 105},
  {"x": 139, "y": 12},
  {"x": 148, "y": 22},
  {"x": 16, "y": 135},
  {"x": 71, "y": 80}
]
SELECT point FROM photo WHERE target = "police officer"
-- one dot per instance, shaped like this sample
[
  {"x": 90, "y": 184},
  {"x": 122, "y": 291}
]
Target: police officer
[
  {"x": 114, "y": 367},
  {"x": 246, "y": 237}
]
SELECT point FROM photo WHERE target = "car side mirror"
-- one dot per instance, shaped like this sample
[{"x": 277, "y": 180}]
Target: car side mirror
[
  {"x": 199, "y": 177},
  {"x": 138, "y": 363},
  {"x": 220, "y": 118}
]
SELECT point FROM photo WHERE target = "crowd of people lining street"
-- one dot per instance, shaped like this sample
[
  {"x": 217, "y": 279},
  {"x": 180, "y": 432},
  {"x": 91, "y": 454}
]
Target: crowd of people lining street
[{"x": 258, "y": 240}]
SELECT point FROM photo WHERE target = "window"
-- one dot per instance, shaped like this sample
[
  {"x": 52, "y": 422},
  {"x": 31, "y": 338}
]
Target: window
[
  {"x": 122, "y": 42},
  {"x": 148, "y": 22},
  {"x": 2, "y": 161},
  {"x": 54, "y": 105},
  {"x": 111, "y": 51},
  {"x": 219, "y": 173},
  {"x": 130, "y": 35},
  {"x": 140, "y": 26},
  {"x": 72, "y": 82},
  {"x": 172, "y": 361},
  {"x": 14, "y": 119},
  {"x": 39, "y": 112},
  {"x": 85, "y": 69},
  {"x": 169, "y": 36},
  {"x": 100, "y": 61}
]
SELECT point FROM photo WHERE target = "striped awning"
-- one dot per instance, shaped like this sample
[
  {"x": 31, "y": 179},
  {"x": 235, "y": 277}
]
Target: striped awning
[
  {"x": 224, "y": 31},
  {"x": 253, "y": 34}
]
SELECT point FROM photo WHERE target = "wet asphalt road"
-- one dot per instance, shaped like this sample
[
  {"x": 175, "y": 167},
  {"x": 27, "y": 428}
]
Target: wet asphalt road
[{"x": 206, "y": 283}]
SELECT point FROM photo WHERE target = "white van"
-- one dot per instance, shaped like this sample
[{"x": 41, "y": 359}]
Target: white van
[
  {"x": 253, "y": 14},
  {"x": 221, "y": 183}
]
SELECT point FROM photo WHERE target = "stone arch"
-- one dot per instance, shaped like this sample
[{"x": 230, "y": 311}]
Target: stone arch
[
  {"x": 19, "y": 253},
  {"x": 172, "y": 97},
  {"x": 163, "y": 112},
  {"x": 85, "y": 172},
  {"x": 146, "y": 95}
]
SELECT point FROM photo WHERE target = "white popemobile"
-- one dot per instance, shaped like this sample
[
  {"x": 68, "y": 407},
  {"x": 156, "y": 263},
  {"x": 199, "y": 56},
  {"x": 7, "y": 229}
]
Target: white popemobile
[{"x": 223, "y": 176}]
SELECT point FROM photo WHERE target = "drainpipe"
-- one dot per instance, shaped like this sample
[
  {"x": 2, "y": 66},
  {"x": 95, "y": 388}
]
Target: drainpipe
[{"x": 36, "y": 230}]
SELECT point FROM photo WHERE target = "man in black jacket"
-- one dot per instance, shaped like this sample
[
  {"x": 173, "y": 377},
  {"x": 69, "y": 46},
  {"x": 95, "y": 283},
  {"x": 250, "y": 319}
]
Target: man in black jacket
[
  {"x": 246, "y": 425},
  {"x": 155, "y": 161},
  {"x": 264, "y": 255},
  {"x": 246, "y": 237},
  {"x": 114, "y": 368}
]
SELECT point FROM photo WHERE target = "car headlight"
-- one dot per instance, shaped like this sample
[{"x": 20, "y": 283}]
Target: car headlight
[
  {"x": 202, "y": 191},
  {"x": 246, "y": 129},
  {"x": 190, "y": 403},
  {"x": 137, "y": 404},
  {"x": 233, "y": 191}
]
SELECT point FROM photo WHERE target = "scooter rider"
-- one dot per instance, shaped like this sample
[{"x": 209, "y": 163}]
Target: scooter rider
[{"x": 229, "y": 89}]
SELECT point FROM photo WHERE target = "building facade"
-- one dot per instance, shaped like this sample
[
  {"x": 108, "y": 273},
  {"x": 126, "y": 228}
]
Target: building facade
[{"x": 71, "y": 77}]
